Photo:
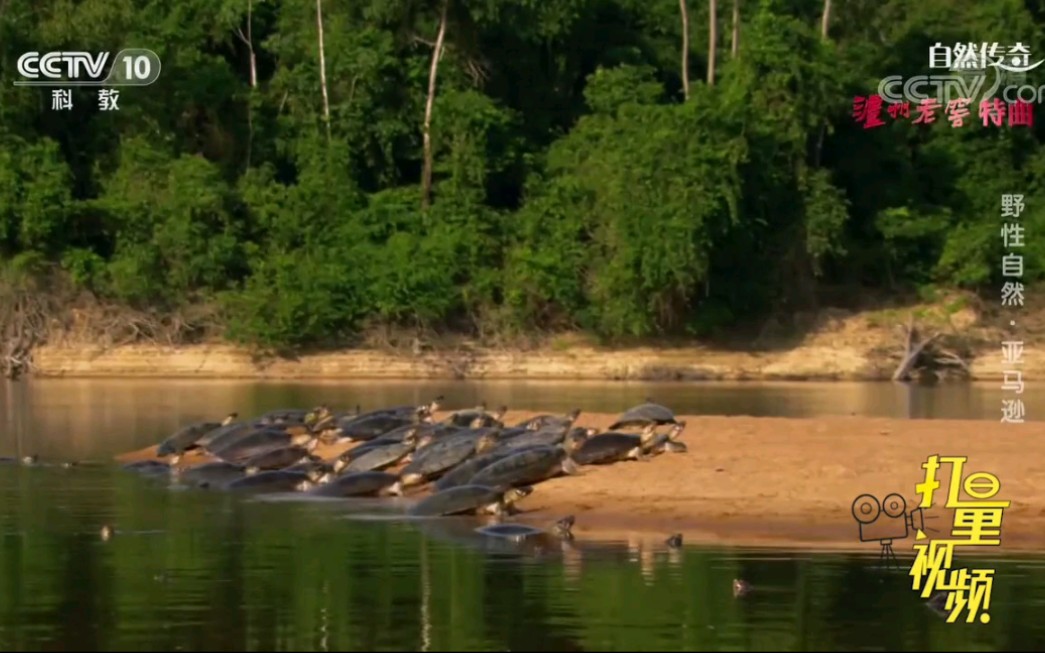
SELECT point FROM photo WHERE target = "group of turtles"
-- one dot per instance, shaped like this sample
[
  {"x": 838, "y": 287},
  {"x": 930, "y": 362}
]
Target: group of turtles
[{"x": 473, "y": 461}]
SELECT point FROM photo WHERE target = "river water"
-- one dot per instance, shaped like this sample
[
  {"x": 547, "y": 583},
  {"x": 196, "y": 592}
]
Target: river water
[{"x": 192, "y": 570}]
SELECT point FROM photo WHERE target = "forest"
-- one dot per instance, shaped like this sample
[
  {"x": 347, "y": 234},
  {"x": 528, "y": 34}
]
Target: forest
[{"x": 306, "y": 170}]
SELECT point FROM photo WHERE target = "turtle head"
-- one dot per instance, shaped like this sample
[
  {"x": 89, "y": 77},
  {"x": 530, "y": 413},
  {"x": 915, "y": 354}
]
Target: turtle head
[
  {"x": 316, "y": 415},
  {"x": 573, "y": 415},
  {"x": 564, "y": 527},
  {"x": 310, "y": 446},
  {"x": 512, "y": 495},
  {"x": 304, "y": 486},
  {"x": 675, "y": 541},
  {"x": 229, "y": 419},
  {"x": 396, "y": 489},
  {"x": 174, "y": 460},
  {"x": 329, "y": 433},
  {"x": 501, "y": 412},
  {"x": 252, "y": 470},
  {"x": 316, "y": 474},
  {"x": 410, "y": 437},
  {"x": 106, "y": 533},
  {"x": 421, "y": 415},
  {"x": 324, "y": 478},
  {"x": 569, "y": 466},
  {"x": 436, "y": 405},
  {"x": 648, "y": 433},
  {"x": 672, "y": 446},
  {"x": 302, "y": 439},
  {"x": 677, "y": 429},
  {"x": 339, "y": 464},
  {"x": 30, "y": 460},
  {"x": 574, "y": 440},
  {"x": 486, "y": 442},
  {"x": 411, "y": 479}
]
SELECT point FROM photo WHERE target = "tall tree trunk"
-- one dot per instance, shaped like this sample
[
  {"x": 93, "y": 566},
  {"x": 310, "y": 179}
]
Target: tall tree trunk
[
  {"x": 437, "y": 53},
  {"x": 248, "y": 40},
  {"x": 685, "y": 48},
  {"x": 825, "y": 21},
  {"x": 323, "y": 67},
  {"x": 734, "y": 41},
  {"x": 712, "y": 40}
]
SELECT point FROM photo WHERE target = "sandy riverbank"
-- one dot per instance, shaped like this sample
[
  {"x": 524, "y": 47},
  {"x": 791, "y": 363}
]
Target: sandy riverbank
[
  {"x": 830, "y": 345},
  {"x": 787, "y": 482}
]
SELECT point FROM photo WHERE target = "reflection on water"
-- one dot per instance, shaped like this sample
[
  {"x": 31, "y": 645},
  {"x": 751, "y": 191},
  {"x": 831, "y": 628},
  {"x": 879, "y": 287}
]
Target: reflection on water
[
  {"x": 85, "y": 418},
  {"x": 194, "y": 570}
]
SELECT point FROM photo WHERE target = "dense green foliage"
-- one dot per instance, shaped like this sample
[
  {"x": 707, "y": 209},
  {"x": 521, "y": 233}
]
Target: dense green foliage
[{"x": 574, "y": 186}]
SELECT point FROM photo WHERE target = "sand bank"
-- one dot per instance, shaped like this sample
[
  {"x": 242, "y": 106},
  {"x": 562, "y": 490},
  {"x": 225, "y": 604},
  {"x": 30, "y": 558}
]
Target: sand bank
[
  {"x": 787, "y": 482},
  {"x": 804, "y": 363}
]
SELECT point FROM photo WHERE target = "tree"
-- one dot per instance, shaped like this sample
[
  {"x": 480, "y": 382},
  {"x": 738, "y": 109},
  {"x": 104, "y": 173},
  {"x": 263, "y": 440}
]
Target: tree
[
  {"x": 685, "y": 48},
  {"x": 712, "y": 40},
  {"x": 433, "y": 71}
]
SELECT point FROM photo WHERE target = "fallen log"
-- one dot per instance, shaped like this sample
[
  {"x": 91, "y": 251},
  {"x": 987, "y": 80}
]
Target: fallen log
[{"x": 912, "y": 352}]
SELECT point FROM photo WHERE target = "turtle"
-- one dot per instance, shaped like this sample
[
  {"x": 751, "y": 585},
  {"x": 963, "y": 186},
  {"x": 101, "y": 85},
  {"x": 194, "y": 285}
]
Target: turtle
[
  {"x": 284, "y": 416},
  {"x": 607, "y": 448},
  {"x": 741, "y": 588},
  {"x": 396, "y": 435},
  {"x": 408, "y": 410},
  {"x": 315, "y": 469},
  {"x": 463, "y": 472},
  {"x": 675, "y": 541},
  {"x": 544, "y": 421},
  {"x": 490, "y": 419},
  {"x": 369, "y": 427},
  {"x": 436, "y": 459},
  {"x": 225, "y": 433},
  {"x": 466, "y": 499},
  {"x": 547, "y": 437},
  {"x": 24, "y": 460},
  {"x": 358, "y": 484},
  {"x": 237, "y": 433},
  {"x": 211, "y": 474},
  {"x": 468, "y": 418},
  {"x": 275, "y": 481},
  {"x": 259, "y": 442},
  {"x": 526, "y": 468},
  {"x": 280, "y": 458},
  {"x": 518, "y": 532},
  {"x": 368, "y": 447},
  {"x": 381, "y": 457},
  {"x": 149, "y": 467},
  {"x": 321, "y": 416},
  {"x": 646, "y": 414},
  {"x": 185, "y": 438}
]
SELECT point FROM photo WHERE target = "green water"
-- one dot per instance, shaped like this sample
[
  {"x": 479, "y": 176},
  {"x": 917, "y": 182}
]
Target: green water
[{"x": 197, "y": 570}]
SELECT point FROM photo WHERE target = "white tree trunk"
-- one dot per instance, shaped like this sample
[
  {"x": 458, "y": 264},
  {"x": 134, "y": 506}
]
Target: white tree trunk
[
  {"x": 323, "y": 67},
  {"x": 712, "y": 40},
  {"x": 734, "y": 42},
  {"x": 685, "y": 48},
  {"x": 437, "y": 52}
]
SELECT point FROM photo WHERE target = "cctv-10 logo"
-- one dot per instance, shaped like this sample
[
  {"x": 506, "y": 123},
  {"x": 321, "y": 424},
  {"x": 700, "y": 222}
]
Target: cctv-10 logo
[{"x": 130, "y": 67}]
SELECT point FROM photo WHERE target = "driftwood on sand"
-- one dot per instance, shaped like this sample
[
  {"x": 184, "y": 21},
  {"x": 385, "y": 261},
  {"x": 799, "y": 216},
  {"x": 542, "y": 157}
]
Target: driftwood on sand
[{"x": 925, "y": 356}]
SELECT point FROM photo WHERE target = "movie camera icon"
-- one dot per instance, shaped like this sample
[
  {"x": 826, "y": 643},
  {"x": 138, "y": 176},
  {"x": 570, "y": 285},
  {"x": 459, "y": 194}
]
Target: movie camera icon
[{"x": 897, "y": 524}]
